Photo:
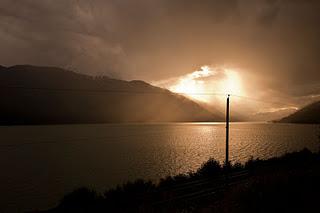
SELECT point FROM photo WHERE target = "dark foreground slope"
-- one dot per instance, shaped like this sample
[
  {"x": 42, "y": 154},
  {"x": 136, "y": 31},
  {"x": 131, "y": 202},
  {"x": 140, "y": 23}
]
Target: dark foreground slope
[
  {"x": 290, "y": 183},
  {"x": 308, "y": 114},
  {"x": 48, "y": 95}
]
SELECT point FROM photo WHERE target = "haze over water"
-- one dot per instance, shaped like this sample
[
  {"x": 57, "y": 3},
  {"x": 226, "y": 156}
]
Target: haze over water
[{"x": 41, "y": 163}]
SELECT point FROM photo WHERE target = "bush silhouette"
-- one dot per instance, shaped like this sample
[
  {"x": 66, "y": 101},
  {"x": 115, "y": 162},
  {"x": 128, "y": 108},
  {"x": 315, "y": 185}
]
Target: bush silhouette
[
  {"x": 80, "y": 200},
  {"x": 210, "y": 168}
]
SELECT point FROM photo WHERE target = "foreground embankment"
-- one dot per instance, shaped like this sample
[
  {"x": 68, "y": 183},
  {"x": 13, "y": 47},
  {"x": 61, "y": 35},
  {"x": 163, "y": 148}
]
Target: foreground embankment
[{"x": 290, "y": 183}]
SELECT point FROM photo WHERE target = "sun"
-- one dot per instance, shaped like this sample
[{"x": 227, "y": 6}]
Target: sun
[
  {"x": 203, "y": 84},
  {"x": 231, "y": 84}
]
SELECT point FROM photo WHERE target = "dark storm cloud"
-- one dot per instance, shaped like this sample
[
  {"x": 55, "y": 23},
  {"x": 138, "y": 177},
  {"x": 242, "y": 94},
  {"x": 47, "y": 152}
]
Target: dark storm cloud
[
  {"x": 277, "y": 40},
  {"x": 269, "y": 13}
]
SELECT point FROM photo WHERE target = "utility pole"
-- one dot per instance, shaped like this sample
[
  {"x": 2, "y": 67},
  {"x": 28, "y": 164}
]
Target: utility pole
[{"x": 227, "y": 130}]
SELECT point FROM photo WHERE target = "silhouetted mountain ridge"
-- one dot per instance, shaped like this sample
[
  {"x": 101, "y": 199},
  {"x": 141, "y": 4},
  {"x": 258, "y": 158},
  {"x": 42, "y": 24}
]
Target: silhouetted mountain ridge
[
  {"x": 50, "y": 95},
  {"x": 308, "y": 114}
]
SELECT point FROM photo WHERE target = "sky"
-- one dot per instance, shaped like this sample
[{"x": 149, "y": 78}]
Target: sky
[{"x": 271, "y": 46}]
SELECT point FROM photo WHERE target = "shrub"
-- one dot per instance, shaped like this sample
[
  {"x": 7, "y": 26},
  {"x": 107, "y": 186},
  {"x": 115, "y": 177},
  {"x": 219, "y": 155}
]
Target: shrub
[{"x": 210, "y": 168}]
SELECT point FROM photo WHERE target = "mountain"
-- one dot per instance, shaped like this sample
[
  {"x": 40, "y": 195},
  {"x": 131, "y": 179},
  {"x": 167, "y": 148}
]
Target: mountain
[
  {"x": 308, "y": 114},
  {"x": 271, "y": 116},
  {"x": 49, "y": 95}
]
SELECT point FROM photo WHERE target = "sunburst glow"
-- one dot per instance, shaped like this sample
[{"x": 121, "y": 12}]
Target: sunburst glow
[
  {"x": 209, "y": 80},
  {"x": 231, "y": 84}
]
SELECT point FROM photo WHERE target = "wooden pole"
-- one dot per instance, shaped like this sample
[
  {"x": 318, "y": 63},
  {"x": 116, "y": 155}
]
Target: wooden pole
[{"x": 227, "y": 130}]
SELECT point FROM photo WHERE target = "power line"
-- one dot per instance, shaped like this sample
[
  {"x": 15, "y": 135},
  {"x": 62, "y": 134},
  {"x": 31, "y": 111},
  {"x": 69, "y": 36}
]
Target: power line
[
  {"x": 107, "y": 90},
  {"x": 139, "y": 92},
  {"x": 258, "y": 100},
  {"x": 77, "y": 90}
]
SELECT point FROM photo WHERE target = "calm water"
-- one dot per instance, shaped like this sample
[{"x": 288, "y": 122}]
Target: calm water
[{"x": 39, "y": 164}]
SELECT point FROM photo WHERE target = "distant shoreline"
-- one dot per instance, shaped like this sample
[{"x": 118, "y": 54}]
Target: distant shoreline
[{"x": 153, "y": 123}]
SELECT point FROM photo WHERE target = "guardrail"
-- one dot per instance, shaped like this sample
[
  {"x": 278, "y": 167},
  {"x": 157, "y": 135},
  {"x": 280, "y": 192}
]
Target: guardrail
[{"x": 193, "y": 190}]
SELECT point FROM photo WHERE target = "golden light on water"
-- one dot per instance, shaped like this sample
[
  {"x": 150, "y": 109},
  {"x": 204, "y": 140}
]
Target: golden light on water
[{"x": 201, "y": 84}]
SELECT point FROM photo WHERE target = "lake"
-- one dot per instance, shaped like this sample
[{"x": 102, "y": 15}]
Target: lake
[{"x": 40, "y": 164}]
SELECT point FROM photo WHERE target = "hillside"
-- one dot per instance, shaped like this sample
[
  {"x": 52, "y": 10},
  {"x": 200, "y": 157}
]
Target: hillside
[
  {"x": 308, "y": 114},
  {"x": 49, "y": 95}
]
